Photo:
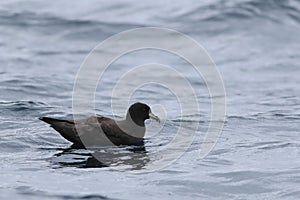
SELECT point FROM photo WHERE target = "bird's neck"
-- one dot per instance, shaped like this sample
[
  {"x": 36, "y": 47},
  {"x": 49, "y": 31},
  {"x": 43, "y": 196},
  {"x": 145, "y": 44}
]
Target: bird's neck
[
  {"x": 135, "y": 119},
  {"x": 131, "y": 128}
]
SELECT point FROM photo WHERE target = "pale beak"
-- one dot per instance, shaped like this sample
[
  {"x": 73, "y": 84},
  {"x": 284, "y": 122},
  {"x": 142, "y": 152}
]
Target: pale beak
[{"x": 152, "y": 116}]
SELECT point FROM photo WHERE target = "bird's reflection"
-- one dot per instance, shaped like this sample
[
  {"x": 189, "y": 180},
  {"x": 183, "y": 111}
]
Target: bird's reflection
[{"x": 126, "y": 157}]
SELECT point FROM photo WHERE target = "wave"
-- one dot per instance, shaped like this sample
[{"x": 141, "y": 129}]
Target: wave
[
  {"x": 214, "y": 11},
  {"x": 220, "y": 11},
  {"x": 266, "y": 115},
  {"x": 29, "y": 18},
  {"x": 30, "y": 192},
  {"x": 22, "y": 105}
]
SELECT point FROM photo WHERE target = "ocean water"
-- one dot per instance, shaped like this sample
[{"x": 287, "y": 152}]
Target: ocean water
[{"x": 255, "y": 46}]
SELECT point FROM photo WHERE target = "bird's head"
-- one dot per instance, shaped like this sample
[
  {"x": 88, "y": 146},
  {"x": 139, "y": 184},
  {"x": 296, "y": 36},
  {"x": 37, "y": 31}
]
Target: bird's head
[{"x": 139, "y": 112}]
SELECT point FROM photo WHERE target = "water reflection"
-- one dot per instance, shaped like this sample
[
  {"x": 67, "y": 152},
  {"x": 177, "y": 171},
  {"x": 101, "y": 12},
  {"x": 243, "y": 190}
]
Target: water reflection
[{"x": 121, "y": 158}]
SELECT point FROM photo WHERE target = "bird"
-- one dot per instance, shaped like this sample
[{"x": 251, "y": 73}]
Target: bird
[{"x": 98, "y": 131}]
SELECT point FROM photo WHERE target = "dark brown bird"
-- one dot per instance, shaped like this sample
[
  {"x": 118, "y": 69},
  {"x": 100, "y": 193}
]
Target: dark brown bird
[{"x": 98, "y": 131}]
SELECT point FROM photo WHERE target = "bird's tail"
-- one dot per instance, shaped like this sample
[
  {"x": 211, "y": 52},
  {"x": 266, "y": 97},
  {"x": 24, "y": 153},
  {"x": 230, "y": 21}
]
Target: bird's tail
[{"x": 52, "y": 120}]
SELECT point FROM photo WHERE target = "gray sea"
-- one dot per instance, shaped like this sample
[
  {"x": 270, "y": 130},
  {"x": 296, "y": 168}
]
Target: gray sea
[{"x": 255, "y": 45}]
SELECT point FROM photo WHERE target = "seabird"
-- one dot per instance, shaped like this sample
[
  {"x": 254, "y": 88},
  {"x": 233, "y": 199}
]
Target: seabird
[{"x": 103, "y": 131}]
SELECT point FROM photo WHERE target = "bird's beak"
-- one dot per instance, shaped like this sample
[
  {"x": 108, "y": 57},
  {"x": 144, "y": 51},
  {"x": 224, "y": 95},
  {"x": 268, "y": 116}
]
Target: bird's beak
[{"x": 152, "y": 116}]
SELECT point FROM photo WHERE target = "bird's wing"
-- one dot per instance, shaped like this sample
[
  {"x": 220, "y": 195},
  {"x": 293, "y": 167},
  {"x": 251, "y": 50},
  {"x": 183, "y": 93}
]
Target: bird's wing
[{"x": 116, "y": 135}]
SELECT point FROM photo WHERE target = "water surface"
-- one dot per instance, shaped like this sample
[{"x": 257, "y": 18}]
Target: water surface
[{"x": 255, "y": 45}]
